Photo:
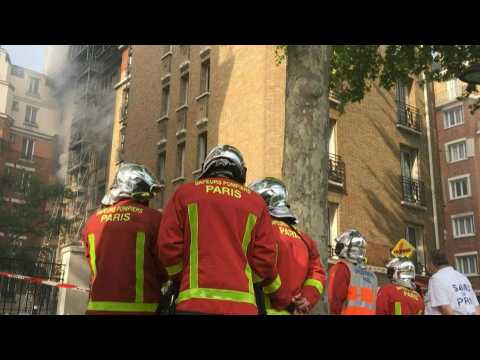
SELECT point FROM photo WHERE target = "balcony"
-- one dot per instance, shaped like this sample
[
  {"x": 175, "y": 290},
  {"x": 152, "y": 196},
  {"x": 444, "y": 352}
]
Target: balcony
[
  {"x": 413, "y": 192},
  {"x": 336, "y": 172},
  {"x": 409, "y": 118}
]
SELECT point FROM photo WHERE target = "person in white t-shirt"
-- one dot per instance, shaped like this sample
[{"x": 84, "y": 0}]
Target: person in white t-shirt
[{"x": 449, "y": 292}]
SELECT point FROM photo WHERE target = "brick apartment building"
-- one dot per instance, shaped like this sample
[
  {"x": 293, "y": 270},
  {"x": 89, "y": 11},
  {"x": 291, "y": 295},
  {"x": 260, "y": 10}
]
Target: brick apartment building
[
  {"x": 458, "y": 146},
  {"x": 29, "y": 122},
  {"x": 183, "y": 100}
]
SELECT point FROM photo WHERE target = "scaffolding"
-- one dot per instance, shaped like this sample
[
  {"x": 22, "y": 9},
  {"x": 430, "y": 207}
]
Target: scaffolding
[{"x": 94, "y": 68}]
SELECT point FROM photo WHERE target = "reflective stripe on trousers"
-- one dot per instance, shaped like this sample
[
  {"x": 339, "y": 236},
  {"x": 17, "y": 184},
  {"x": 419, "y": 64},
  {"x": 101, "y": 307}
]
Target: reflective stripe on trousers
[
  {"x": 196, "y": 292},
  {"x": 138, "y": 305}
]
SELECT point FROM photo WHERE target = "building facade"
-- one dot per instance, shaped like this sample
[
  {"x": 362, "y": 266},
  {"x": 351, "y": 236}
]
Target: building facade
[
  {"x": 183, "y": 100},
  {"x": 29, "y": 123},
  {"x": 458, "y": 132}
]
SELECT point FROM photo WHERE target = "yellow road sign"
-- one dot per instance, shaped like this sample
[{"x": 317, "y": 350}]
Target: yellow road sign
[{"x": 403, "y": 249}]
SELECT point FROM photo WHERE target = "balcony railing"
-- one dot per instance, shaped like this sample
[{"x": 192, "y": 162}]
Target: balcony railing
[
  {"x": 336, "y": 170},
  {"x": 409, "y": 116},
  {"x": 413, "y": 191}
]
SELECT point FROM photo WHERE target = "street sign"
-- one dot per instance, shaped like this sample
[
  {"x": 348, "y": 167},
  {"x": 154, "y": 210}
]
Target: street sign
[{"x": 403, "y": 249}]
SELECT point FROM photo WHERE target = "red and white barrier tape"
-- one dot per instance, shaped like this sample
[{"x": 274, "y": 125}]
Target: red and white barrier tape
[{"x": 45, "y": 282}]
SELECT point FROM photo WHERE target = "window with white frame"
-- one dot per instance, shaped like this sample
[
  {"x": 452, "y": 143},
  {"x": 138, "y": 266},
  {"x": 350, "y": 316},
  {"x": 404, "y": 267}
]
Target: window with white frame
[
  {"x": 453, "y": 117},
  {"x": 459, "y": 187},
  {"x": 463, "y": 225},
  {"x": 414, "y": 235},
  {"x": 333, "y": 224},
  {"x": 184, "y": 83},
  {"x": 452, "y": 86},
  {"x": 34, "y": 86},
  {"x": 31, "y": 115},
  {"x": 456, "y": 151},
  {"x": 205, "y": 77},
  {"x": 27, "y": 148},
  {"x": 467, "y": 263}
]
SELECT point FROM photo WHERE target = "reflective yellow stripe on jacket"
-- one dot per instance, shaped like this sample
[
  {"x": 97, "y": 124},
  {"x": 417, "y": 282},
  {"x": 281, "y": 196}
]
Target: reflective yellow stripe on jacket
[
  {"x": 196, "y": 292},
  {"x": 117, "y": 306}
]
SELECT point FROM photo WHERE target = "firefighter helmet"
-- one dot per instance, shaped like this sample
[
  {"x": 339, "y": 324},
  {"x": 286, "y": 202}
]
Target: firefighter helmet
[
  {"x": 402, "y": 272},
  {"x": 275, "y": 194},
  {"x": 133, "y": 181},
  {"x": 351, "y": 245},
  {"x": 224, "y": 161}
]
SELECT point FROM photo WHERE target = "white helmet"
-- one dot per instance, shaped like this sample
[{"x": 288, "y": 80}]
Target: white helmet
[
  {"x": 225, "y": 161},
  {"x": 401, "y": 271},
  {"x": 351, "y": 245},
  {"x": 133, "y": 181},
  {"x": 275, "y": 194}
]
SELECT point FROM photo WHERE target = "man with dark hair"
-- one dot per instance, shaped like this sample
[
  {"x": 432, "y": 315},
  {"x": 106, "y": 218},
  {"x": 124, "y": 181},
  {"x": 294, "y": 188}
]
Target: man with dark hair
[{"x": 449, "y": 292}]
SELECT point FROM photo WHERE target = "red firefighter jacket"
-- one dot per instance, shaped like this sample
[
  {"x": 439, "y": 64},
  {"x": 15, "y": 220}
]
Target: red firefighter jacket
[
  {"x": 126, "y": 275},
  {"x": 393, "y": 299},
  {"x": 299, "y": 266},
  {"x": 216, "y": 238}
]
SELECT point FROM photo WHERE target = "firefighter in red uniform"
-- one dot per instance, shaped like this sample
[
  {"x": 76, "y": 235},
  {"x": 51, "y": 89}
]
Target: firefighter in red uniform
[
  {"x": 126, "y": 276},
  {"x": 216, "y": 240},
  {"x": 299, "y": 266},
  {"x": 351, "y": 287},
  {"x": 400, "y": 296}
]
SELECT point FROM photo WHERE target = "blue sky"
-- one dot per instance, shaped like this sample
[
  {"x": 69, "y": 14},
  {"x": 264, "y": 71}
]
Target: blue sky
[{"x": 28, "y": 56}]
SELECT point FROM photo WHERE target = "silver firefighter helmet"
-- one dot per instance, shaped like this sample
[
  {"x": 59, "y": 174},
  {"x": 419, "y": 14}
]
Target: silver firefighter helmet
[
  {"x": 133, "y": 181},
  {"x": 275, "y": 194},
  {"x": 401, "y": 271},
  {"x": 224, "y": 161},
  {"x": 351, "y": 245}
]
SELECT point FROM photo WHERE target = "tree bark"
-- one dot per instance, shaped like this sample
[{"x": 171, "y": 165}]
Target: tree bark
[{"x": 306, "y": 142}]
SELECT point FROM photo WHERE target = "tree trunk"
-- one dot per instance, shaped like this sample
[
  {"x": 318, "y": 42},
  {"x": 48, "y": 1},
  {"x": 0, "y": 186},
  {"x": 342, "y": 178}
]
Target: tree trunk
[{"x": 306, "y": 142}]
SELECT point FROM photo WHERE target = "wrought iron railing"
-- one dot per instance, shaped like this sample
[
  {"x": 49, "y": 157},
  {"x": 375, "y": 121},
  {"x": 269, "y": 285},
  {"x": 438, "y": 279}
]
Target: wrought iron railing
[
  {"x": 409, "y": 116},
  {"x": 18, "y": 297},
  {"x": 336, "y": 169},
  {"x": 413, "y": 190}
]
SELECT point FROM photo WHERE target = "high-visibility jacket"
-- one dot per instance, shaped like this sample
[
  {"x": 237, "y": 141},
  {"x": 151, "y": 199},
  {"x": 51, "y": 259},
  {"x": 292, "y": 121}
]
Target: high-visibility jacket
[
  {"x": 126, "y": 275},
  {"x": 357, "y": 287},
  {"x": 215, "y": 237},
  {"x": 299, "y": 266},
  {"x": 394, "y": 299}
]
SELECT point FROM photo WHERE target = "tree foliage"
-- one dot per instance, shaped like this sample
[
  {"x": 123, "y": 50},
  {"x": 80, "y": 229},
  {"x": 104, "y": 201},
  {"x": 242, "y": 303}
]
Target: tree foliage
[
  {"x": 31, "y": 213},
  {"x": 354, "y": 68}
]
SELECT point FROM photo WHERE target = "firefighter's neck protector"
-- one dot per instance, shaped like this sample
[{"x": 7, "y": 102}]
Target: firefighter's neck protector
[
  {"x": 351, "y": 245},
  {"x": 275, "y": 194},
  {"x": 133, "y": 181},
  {"x": 224, "y": 161}
]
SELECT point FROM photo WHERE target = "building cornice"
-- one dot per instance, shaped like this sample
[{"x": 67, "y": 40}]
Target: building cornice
[
  {"x": 32, "y": 133},
  {"x": 44, "y": 104}
]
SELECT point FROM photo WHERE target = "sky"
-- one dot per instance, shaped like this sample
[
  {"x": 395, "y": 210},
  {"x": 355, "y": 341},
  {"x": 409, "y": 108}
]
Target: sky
[{"x": 28, "y": 56}]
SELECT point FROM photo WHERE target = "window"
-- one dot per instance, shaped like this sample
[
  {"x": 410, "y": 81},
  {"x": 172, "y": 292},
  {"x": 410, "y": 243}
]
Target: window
[
  {"x": 205, "y": 77},
  {"x": 31, "y": 115},
  {"x": 12, "y": 138},
  {"x": 24, "y": 180},
  {"x": 17, "y": 71},
  {"x": 452, "y": 89},
  {"x": 102, "y": 158},
  {"x": 165, "y": 100},
  {"x": 409, "y": 162},
  {"x": 459, "y": 187},
  {"x": 453, "y": 117},
  {"x": 332, "y": 142},
  {"x": 463, "y": 225},
  {"x": 161, "y": 166},
  {"x": 15, "y": 105},
  {"x": 201, "y": 149},
  {"x": 27, "y": 149},
  {"x": 456, "y": 151},
  {"x": 414, "y": 235},
  {"x": 333, "y": 225},
  {"x": 467, "y": 264},
  {"x": 184, "y": 89},
  {"x": 33, "y": 86},
  {"x": 180, "y": 170}
]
